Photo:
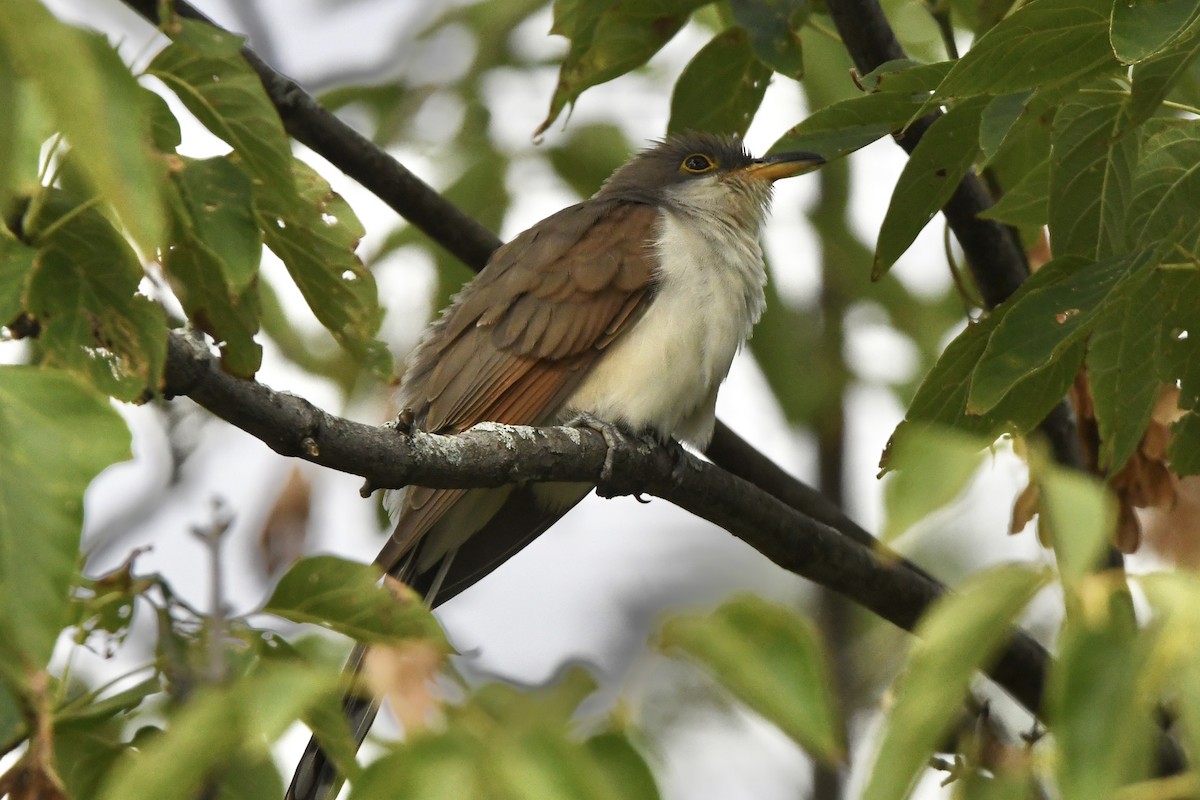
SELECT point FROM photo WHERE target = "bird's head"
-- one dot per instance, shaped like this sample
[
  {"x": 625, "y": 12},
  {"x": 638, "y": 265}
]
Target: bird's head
[{"x": 706, "y": 174}]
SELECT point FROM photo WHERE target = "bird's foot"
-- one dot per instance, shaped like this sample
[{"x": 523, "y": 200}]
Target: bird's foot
[
  {"x": 614, "y": 436},
  {"x": 617, "y": 436},
  {"x": 681, "y": 460}
]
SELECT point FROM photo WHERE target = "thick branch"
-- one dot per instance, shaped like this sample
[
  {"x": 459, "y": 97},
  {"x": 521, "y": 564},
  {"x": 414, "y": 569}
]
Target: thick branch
[
  {"x": 493, "y": 455},
  {"x": 461, "y": 235},
  {"x": 898, "y": 591}
]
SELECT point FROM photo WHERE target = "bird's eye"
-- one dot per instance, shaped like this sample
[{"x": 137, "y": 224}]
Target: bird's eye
[{"x": 697, "y": 163}]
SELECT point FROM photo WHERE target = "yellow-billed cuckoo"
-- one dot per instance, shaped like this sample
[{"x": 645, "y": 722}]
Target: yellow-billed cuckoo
[{"x": 627, "y": 308}]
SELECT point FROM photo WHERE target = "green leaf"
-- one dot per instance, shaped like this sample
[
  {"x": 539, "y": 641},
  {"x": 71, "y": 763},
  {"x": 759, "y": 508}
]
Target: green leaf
[
  {"x": 445, "y": 767},
  {"x": 16, "y": 263},
  {"x": 83, "y": 292},
  {"x": 942, "y": 396},
  {"x": 512, "y": 744},
  {"x": 608, "y": 39},
  {"x": 773, "y": 661},
  {"x": 55, "y": 436},
  {"x": 88, "y": 708},
  {"x": 84, "y": 755},
  {"x": 720, "y": 88},
  {"x": 1091, "y": 175},
  {"x": 626, "y": 771},
  {"x": 1027, "y": 203},
  {"x": 1154, "y": 78},
  {"x": 1177, "y": 350},
  {"x": 930, "y": 176},
  {"x": 1122, "y": 371},
  {"x": 846, "y": 126},
  {"x": 1167, "y": 186},
  {"x": 998, "y": 118},
  {"x": 1100, "y": 655},
  {"x": 1142, "y": 28},
  {"x": 774, "y": 27},
  {"x": 213, "y": 260},
  {"x": 93, "y": 100},
  {"x": 1041, "y": 43},
  {"x": 1043, "y": 323},
  {"x": 27, "y": 126},
  {"x": 205, "y": 69},
  {"x": 218, "y": 733},
  {"x": 316, "y": 241},
  {"x": 165, "y": 132},
  {"x": 1184, "y": 450},
  {"x": 1081, "y": 516},
  {"x": 249, "y": 778},
  {"x": 905, "y": 76},
  {"x": 218, "y": 196},
  {"x": 346, "y": 597},
  {"x": 958, "y": 636},
  {"x": 935, "y": 464},
  {"x": 1173, "y": 669}
]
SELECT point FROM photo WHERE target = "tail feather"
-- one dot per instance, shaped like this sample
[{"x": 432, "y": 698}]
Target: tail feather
[
  {"x": 519, "y": 521},
  {"x": 316, "y": 777}
]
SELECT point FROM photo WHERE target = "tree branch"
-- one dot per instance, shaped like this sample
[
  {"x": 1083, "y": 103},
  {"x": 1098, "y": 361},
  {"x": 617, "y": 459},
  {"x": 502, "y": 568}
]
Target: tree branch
[
  {"x": 824, "y": 552},
  {"x": 896, "y": 590}
]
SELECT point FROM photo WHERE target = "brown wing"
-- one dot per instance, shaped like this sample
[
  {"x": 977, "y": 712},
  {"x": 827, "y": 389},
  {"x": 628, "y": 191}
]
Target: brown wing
[{"x": 519, "y": 337}]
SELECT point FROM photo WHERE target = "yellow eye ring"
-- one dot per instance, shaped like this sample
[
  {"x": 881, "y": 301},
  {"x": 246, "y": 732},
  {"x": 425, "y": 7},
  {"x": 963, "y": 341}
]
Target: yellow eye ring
[{"x": 697, "y": 163}]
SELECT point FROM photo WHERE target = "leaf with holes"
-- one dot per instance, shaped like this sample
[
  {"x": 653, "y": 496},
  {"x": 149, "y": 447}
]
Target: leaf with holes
[
  {"x": 205, "y": 69},
  {"x": 213, "y": 261},
  {"x": 1043, "y": 324},
  {"x": 84, "y": 293},
  {"x": 316, "y": 240}
]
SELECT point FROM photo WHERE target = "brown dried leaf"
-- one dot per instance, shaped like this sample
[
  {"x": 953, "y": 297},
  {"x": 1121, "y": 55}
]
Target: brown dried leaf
[
  {"x": 1026, "y": 507},
  {"x": 405, "y": 674},
  {"x": 285, "y": 530},
  {"x": 1174, "y": 531}
]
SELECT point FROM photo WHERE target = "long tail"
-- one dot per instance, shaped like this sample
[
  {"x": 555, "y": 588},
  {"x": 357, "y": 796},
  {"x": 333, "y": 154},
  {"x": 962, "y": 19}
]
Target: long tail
[
  {"x": 518, "y": 522},
  {"x": 316, "y": 778}
]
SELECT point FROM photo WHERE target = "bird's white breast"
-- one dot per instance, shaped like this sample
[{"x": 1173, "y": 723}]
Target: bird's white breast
[{"x": 664, "y": 373}]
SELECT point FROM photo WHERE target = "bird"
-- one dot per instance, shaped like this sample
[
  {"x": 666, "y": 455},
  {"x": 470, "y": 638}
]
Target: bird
[{"x": 625, "y": 310}]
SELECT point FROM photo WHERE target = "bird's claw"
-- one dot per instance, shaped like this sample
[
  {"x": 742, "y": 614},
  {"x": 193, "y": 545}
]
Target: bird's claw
[{"x": 613, "y": 435}]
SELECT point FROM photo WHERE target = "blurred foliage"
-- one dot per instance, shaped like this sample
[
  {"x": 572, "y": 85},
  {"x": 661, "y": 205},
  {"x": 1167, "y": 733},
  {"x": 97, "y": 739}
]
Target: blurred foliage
[{"x": 1080, "y": 113}]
